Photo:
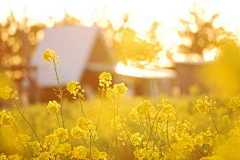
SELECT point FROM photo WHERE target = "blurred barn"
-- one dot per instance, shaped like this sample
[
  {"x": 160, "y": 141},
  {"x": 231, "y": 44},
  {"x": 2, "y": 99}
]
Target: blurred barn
[{"x": 83, "y": 56}]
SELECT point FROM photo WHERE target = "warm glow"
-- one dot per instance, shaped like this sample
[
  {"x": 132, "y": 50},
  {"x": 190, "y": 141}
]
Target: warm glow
[
  {"x": 144, "y": 73},
  {"x": 141, "y": 14}
]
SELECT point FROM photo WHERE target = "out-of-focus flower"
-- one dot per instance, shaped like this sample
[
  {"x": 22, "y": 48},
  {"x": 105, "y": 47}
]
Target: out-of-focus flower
[
  {"x": 234, "y": 103},
  {"x": 96, "y": 154},
  {"x": 6, "y": 118},
  {"x": 144, "y": 108},
  {"x": 80, "y": 152},
  {"x": 115, "y": 93},
  {"x": 204, "y": 106},
  {"x": 53, "y": 107},
  {"x": 14, "y": 157},
  {"x": 22, "y": 141},
  {"x": 116, "y": 123},
  {"x": 7, "y": 93},
  {"x": 65, "y": 149},
  {"x": 61, "y": 133},
  {"x": 76, "y": 132},
  {"x": 226, "y": 119}
]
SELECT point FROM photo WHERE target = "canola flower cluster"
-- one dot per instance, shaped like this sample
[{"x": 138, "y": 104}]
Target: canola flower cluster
[{"x": 159, "y": 135}]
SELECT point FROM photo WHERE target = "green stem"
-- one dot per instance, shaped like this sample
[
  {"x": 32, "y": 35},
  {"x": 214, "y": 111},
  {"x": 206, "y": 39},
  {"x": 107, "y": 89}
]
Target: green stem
[
  {"x": 215, "y": 124},
  {"x": 60, "y": 96},
  {"x": 58, "y": 123},
  {"x": 80, "y": 101},
  {"x": 27, "y": 122},
  {"x": 100, "y": 110}
]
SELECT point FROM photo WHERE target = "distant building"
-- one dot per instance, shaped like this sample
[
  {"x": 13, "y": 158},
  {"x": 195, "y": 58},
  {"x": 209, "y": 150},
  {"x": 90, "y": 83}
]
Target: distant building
[{"x": 83, "y": 56}]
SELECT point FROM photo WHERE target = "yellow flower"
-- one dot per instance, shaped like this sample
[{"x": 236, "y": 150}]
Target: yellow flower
[
  {"x": 116, "y": 92},
  {"x": 116, "y": 123},
  {"x": 234, "y": 103},
  {"x": 145, "y": 108},
  {"x": 21, "y": 141},
  {"x": 74, "y": 88},
  {"x": 36, "y": 148},
  {"x": 226, "y": 119},
  {"x": 105, "y": 79},
  {"x": 53, "y": 107},
  {"x": 204, "y": 106},
  {"x": 80, "y": 152},
  {"x": 6, "y": 118},
  {"x": 133, "y": 115},
  {"x": 77, "y": 133},
  {"x": 209, "y": 158},
  {"x": 15, "y": 157},
  {"x": 136, "y": 139},
  {"x": 65, "y": 149},
  {"x": 182, "y": 127},
  {"x": 51, "y": 139},
  {"x": 43, "y": 156},
  {"x": 204, "y": 138},
  {"x": 49, "y": 56},
  {"x": 61, "y": 133},
  {"x": 96, "y": 154},
  {"x": 3, "y": 156},
  {"x": 7, "y": 92},
  {"x": 85, "y": 124}
]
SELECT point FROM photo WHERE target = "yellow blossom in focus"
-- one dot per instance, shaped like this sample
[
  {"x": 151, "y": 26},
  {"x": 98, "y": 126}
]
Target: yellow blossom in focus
[
  {"x": 80, "y": 152},
  {"x": 53, "y": 107},
  {"x": 105, "y": 80},
  {"x": 7, "y": 93},
  {"x": 49, "y": 56},
  {"x": 75, "y": 89}
]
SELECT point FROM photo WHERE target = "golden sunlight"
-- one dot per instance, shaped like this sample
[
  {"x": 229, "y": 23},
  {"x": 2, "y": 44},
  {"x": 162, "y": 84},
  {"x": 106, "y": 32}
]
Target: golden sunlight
[{"x": 141, "y": 15}]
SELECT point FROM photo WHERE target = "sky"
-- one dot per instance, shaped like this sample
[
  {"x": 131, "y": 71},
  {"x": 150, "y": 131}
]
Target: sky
[{"x": 142, "y": 13}]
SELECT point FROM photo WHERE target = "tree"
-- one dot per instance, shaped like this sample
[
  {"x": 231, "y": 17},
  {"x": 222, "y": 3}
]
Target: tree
[
  {"x": 200, "y": 33},
  {"x": 132, "y": 50}
]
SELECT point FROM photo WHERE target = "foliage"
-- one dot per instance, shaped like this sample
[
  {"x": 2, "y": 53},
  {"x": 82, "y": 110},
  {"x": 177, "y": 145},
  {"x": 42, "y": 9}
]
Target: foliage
[
  {"x": 132, "y": 50},
  {"x": 200, "y": 34},
  {"x": 113, "y": 128}
]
